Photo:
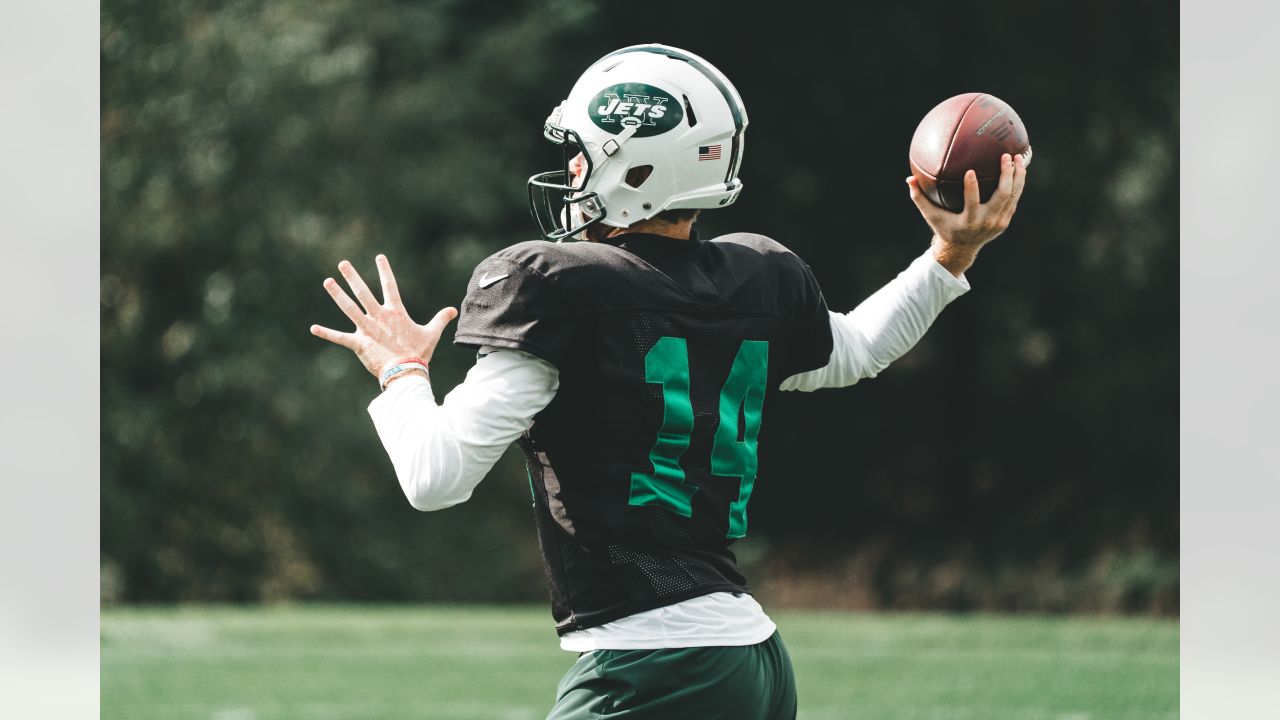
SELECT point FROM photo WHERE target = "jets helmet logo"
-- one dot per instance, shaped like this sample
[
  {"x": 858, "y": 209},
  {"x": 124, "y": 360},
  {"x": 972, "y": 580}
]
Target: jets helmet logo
[{"x": 617, "y": 106}]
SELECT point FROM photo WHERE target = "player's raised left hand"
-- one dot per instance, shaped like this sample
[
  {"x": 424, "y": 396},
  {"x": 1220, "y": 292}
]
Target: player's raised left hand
[
  {"x": 384, "y": 331},
  {"x": 957, "y": 237}
]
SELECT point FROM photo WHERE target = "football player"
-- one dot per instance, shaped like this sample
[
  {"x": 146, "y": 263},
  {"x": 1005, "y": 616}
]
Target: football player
[{"x": 634, "y": 370}]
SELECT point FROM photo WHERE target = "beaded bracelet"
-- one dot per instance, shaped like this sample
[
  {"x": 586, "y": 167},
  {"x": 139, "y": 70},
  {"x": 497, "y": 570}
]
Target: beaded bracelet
[{"x": 400, "y": 366}]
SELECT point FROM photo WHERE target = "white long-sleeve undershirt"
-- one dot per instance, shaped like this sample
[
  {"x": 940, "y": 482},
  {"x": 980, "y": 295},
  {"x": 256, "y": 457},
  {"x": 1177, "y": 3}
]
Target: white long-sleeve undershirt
[
  {"x": 441, "y": 452},
  {"x": 884, "y": 326}
]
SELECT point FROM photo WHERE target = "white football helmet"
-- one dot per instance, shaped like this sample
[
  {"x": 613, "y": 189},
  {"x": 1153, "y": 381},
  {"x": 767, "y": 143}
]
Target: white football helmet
[{"x": 644, "y": 105}]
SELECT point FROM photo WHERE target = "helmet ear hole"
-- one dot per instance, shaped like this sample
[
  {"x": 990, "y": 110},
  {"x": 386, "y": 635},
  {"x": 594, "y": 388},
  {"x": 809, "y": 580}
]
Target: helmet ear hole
[
  {"x": 637, "y": 175},
  {"x": 688, "y": 112}
]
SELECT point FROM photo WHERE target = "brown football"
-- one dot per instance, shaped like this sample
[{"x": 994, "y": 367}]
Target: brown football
[{"x": 969, "y": 131}]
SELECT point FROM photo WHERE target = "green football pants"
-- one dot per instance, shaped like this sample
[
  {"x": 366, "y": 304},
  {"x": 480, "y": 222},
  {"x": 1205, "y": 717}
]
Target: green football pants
[{"x": 753, "y": 682}]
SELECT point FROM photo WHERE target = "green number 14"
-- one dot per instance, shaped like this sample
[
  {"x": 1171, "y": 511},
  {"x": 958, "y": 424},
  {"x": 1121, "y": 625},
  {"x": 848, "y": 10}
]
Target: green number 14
[{"x": 734, "y": 452}]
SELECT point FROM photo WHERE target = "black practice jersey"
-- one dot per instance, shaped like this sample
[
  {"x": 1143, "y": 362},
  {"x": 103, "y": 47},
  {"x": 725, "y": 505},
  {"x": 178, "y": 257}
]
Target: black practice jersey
[{"x": 668, "y": 351}]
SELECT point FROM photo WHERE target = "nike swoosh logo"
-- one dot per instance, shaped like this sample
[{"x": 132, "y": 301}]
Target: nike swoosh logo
[{"x": 486, "y": 281}]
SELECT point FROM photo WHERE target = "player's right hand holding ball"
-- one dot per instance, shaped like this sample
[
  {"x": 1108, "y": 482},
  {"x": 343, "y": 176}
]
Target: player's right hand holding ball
[{"x": 957, "y": 237}]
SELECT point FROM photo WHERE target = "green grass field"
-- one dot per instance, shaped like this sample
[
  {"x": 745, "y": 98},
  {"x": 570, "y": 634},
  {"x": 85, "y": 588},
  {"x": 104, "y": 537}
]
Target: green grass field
[{"x": 459, "y": 663}]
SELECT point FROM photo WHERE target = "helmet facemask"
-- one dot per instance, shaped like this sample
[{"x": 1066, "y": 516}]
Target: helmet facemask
[{"x": 556, "y": 199}]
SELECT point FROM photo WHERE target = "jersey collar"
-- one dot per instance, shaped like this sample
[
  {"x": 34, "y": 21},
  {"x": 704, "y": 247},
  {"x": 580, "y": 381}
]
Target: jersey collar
[{"x": 640, "y": 241}]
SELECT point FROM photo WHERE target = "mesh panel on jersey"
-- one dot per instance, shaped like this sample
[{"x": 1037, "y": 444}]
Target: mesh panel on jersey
[
  {"x": 643, "y": 334},
  {"x": 647, "y": 574},
  {"x": 668, "y": 528}
]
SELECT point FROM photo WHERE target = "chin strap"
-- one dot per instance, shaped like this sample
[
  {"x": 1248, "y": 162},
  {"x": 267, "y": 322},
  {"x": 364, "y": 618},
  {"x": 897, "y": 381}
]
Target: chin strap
[{"x": 612, "y": 146}]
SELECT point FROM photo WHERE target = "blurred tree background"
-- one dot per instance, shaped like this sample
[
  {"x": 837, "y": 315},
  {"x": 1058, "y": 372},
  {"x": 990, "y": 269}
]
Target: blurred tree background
[{"x": 1022, "y": 457}]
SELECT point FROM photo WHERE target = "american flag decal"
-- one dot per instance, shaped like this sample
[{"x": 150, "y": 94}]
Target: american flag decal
[{"x": 709, "y": 152}]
